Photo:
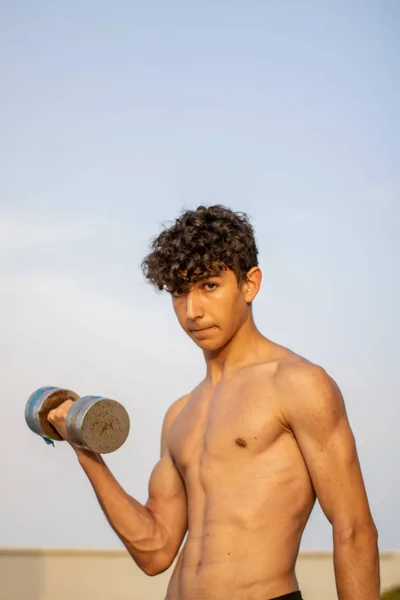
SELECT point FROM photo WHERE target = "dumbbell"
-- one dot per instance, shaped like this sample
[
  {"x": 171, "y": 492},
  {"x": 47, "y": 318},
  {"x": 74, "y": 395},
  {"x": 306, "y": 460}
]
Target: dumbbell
[{"x": 94, "y": 423}]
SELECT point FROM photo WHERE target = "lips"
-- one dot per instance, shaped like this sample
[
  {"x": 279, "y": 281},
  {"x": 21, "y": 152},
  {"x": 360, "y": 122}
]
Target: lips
[{"x": 202, "y": 329}]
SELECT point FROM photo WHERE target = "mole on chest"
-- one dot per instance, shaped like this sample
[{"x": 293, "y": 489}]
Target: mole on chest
[
  {"x": 218, "y": 434},
  {"x": 186, "y": 452},
  {"x": 241, "y": 442}
]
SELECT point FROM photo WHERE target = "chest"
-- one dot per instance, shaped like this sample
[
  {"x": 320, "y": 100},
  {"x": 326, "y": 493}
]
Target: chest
[{"x": 231, "y": 424}]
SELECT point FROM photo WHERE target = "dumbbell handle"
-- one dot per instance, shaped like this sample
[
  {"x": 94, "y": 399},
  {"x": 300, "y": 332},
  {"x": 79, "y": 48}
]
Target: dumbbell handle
[{"x": 94, "y": 423}]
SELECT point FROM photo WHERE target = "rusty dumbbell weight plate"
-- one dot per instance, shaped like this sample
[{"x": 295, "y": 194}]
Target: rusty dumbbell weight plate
[
  {"x": 98, "y": 423},
  {"x": 95, "y": 423},
  {"x": 40, "y": 403}
]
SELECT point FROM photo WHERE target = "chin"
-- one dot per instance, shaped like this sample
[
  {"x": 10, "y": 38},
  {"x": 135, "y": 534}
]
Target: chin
[{"x": 209, "y": 345}]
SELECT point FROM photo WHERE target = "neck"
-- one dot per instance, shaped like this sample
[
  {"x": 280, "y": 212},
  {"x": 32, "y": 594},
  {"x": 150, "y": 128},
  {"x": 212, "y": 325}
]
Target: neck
[{"x": 247, "y": 345}]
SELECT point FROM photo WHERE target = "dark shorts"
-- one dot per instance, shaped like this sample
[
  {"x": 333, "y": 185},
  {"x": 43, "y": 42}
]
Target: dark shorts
[{"x": 291, "y": 596}]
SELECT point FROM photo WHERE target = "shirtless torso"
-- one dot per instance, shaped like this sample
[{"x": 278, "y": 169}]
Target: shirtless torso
[
  {"x": 247, "y": 452},
  {"x": 248, "y": 490}
]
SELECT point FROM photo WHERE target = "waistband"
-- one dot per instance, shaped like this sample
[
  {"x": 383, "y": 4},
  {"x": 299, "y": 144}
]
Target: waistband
[{"x": 292, "y": 596}]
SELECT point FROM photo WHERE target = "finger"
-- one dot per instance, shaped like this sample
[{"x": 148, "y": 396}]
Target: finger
[{"x": 60, "y": 412}]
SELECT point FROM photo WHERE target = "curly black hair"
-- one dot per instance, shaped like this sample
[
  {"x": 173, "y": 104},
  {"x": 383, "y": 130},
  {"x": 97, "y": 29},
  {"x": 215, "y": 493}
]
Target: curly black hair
[{"x": 201, "y": 243}]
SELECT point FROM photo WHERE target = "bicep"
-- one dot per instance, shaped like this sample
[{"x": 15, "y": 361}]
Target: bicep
[
  {"x": 167, "y": 499},
  {"x": 334, "y": 468},
  {"x": 327, "y": 444}
]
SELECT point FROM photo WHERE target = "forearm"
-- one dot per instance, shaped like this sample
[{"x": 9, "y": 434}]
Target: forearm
[
  {"x": 133, "y": 523},
  {"x": 356, "y": 563}
]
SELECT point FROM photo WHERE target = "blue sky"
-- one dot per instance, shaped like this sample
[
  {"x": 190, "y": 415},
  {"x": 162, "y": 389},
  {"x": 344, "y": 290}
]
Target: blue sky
[{"x": 117, "y": 117}]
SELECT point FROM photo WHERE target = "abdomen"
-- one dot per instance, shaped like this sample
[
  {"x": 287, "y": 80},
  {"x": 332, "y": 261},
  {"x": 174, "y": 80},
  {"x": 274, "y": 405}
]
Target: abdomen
[{"x": 244, "y": 533}]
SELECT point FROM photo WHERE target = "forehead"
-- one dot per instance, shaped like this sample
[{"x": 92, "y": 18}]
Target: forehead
[{"x": 186, "y": 280}]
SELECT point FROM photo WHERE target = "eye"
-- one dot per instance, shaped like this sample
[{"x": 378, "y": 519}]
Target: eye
[{"x": 210, "y": 286}]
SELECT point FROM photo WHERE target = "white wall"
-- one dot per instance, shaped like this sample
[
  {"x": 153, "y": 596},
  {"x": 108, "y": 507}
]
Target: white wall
[{"x": 112, "y": 575}]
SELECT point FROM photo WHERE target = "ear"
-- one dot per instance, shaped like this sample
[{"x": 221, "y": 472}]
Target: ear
[{"x": 252, "y": 285}]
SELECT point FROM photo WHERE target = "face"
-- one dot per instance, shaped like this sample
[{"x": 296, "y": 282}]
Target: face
[{"x": 213, "y": 310}]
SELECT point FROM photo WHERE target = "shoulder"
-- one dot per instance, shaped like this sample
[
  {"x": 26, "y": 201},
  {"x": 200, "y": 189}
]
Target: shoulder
[
  {"x": 174, "y": 409},
  {"x": 306, "y": 389},
  {"x": 172, "y": 412},
  {"x": 299, "y": 373}
]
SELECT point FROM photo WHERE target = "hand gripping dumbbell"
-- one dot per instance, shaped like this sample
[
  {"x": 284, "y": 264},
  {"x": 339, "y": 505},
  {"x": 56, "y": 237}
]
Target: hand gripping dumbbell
[{"x": 94, "y": 423}]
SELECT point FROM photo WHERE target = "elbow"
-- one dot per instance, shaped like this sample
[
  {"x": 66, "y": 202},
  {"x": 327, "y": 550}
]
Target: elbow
[
  {"x": 151, "y": 563},
  {"x": 365, "y": 534},
  {"x": 153, "y": 571},
  {"x": 149, "y": 570},
  {"x": 156, "y": 566}
]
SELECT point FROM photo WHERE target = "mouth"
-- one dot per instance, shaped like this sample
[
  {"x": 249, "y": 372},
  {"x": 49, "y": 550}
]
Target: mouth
[{"x": 202, "y": 330}]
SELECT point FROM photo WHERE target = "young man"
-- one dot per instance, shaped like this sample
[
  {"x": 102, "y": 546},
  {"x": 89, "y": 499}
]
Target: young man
[{"x": 244, "y": 454}]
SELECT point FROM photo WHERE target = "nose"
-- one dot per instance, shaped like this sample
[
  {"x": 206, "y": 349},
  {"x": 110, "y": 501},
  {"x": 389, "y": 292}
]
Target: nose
[{"x": 194, "y": 306}]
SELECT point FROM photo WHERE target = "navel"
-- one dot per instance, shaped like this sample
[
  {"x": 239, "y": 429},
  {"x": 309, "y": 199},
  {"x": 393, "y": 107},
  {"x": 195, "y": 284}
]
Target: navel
[{"x": 241, "y": 442}]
